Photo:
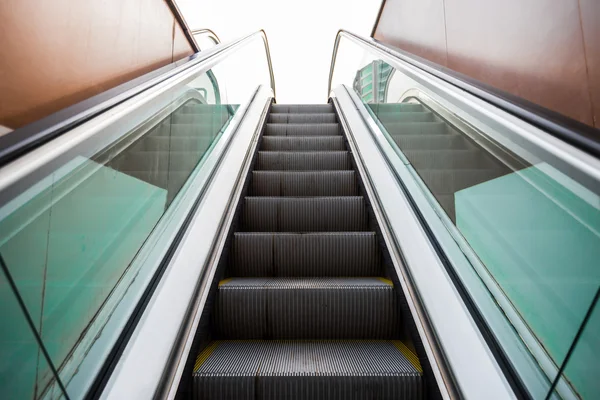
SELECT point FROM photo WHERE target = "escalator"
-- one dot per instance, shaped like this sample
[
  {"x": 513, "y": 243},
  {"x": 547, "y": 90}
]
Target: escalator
[
  {"x": 305, "y": 308},
  {"x": 187, "y": 237}
]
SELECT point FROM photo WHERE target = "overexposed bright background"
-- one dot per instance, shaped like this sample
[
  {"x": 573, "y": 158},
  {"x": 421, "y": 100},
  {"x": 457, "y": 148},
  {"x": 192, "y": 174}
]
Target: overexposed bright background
[{"x": 301, "y": 35}]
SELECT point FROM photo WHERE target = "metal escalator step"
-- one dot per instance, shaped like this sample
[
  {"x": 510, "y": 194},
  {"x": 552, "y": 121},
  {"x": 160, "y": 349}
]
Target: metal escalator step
[
  {"x": 417, "y": 128},
  {"x": 317, "y": 370},
  {"x": 306, "y": 308},
  {"x": 302, "y": 108},
  {"x": 310, "y": 214},
  {"x": 303, "y": 160},
  {"x": 328, "y": 254},
  {"x": 432, "y": 142},
  {"x": 303, "y": 143},
  {"x": 303, "y": 183},
  {"x": 303, "y": 130},
  {"x": 303, "y": 118},
  {"x": 450, "y": 159},
  {"x": 407, "y": 117},
  {"x": 452, "y": 180}
]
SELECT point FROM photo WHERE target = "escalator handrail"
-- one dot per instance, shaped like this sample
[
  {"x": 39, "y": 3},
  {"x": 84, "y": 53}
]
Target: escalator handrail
[
  {"x": 212, "y": 35},
  {"x": 29, "y": 137},
  {"x": 575, "y": 133}
]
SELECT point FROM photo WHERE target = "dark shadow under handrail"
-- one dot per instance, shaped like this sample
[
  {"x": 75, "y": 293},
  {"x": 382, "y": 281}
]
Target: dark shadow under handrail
[{"x": 575, "y": 133}]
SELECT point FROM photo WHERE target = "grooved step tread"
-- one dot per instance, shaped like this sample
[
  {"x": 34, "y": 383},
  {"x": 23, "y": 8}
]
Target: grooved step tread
[
  {"x": 320, "y": 370},
  {"x": 306, "y": 308}
]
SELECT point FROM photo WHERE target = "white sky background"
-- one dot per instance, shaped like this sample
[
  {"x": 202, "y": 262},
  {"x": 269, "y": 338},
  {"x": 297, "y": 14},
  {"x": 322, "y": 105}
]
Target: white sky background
[{"x": 301, "y": 35}]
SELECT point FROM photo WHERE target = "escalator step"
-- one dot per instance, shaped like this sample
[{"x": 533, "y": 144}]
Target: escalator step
[
  {"x": 306, "y": 308},
  {"x": 303, "y": 183},
  {"x": 310, "y": 214},
  {"x": 303, "y": 118},
  {"x": 306, "y": 143},
  {"x": 303, "y": 130},
  {"x": 302, "y": 108},
  {"x": 303, "y": 160},
  {"x": 318, "y": 370},
  {"x": 329, "y": 254}
]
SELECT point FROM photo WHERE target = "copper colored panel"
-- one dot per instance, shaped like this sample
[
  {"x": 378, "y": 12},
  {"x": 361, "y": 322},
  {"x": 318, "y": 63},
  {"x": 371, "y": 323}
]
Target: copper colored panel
[
  {"x": 181, "y": 46},
  {"x": 533, "y": 49},
  {"x": 56, "y": 53},
  {"x": 414, "y": 26},
  {"x": 590, "y": 18}
]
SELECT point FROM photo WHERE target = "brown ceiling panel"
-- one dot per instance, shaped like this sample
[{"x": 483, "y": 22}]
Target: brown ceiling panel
[
  {"x": 414, "y": 26},
  {"x": 590, "y": 18},
  {"x": 533, "y": 49},
  {"x": 56, "y": 53}
]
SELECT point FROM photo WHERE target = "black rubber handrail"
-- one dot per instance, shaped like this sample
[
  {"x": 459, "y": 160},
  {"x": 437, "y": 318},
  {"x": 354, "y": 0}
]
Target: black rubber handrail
[
  {"x": 575, "y": 133},
  {"x": 23, "y": 140}
]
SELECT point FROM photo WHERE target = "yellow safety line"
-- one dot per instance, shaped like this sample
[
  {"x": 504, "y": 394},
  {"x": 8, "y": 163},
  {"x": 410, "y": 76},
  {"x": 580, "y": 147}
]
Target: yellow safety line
[
  {"x": 410, "y": 356},
  {"x": 224, "y": 281},
  {"x": 386, "y": 281},
  {"x": 203, "y": 356}
]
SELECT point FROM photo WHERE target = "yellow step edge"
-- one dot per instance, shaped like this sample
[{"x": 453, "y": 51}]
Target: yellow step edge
[
  {"x": 386, "y": 281},
  {"x": 224, "y": 281},
  {"x": 203, "y": 356},
  {"x": 410, "y": 356}
]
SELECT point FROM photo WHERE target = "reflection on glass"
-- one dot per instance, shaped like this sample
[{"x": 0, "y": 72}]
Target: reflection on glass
[
  {"x": 24, "y": 372},
  {"x": 535, "y": 229},
  {"x": 581, "y": 369},
  {"x": 70, "y": 238}
]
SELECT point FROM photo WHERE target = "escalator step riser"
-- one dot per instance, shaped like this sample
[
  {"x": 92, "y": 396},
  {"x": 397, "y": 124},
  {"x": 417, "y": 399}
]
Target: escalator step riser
[
  {"x": 323, "y": 143},
  {"x": 290, "y": 214},
  {"x": 302, "y": 118},
  {"x": 305, "y": 255},
  {"x": 303, "y": 161},
  {"x": 302, "y": 108},
  {"x": 432, "y": 142},
  {"x": 319, "y": 370},
  {"x": 310, "y": 308},
  {"x": 303, "y": 130},
  {"x": 307, "y": 183}
]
